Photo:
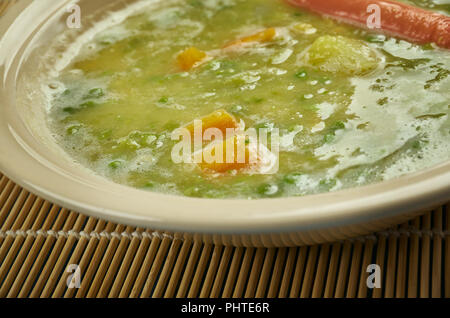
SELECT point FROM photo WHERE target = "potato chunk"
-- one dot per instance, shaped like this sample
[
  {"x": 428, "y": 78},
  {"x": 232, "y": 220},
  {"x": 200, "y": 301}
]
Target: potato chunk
[
  {"x": 263, "y": 36},
  {"x": 191, "y": 58},
  {"x": 219, "y": 119},
  {"x": 338, "y": 54}
]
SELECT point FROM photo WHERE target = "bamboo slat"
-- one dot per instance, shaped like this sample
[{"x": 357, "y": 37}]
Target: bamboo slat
[{"x": 39, "y": 241}]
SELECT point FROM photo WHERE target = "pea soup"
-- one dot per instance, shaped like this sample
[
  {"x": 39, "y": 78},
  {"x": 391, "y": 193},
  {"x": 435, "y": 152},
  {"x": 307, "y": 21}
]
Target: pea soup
[{"x": 351, "y": 107}]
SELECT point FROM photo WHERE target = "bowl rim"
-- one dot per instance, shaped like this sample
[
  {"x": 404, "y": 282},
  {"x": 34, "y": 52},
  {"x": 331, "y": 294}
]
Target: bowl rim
[
  {"x": 98, "y": 197},
  {"x": 34, "y": 166},
  {"x": 337, "y": 212}
]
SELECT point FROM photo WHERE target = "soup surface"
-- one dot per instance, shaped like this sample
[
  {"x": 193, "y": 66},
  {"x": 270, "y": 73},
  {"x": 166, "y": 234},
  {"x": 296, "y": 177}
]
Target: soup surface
[{"x": 351, "y": 107}]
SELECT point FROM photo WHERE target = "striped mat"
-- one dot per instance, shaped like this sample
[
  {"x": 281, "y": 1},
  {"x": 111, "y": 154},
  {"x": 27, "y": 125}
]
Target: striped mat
[{"x": 42, "y": 245}]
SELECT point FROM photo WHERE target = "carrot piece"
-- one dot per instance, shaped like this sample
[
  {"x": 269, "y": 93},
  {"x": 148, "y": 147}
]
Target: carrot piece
[
  {"x": 238, "y": 152},
  {"x": 190, "y": 58},
  {"x": 263, "y": 36},
  {"x": 397, "y": 19},
  {"x": 219, "y": 119},
  {"x": 241, "y": 153},
  {"x": 234, "y": 146}
]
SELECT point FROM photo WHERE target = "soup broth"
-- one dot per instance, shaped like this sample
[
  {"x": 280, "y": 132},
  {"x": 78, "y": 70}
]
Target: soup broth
[{"x": 352, "y": 107}]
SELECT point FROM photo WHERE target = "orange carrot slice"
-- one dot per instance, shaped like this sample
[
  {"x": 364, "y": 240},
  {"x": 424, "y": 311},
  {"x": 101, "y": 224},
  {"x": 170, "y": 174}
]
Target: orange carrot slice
[
  {"x": 266, "y": 35},
  {"x": 397, "y": 19},
  {"x": 219, "y": 119},
  {"x": 190, "y": 58},
  {"x": 239, "y": 153}
]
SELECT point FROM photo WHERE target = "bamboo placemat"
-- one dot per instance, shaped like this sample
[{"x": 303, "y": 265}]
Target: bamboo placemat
[{"x": 39, "y": 241}]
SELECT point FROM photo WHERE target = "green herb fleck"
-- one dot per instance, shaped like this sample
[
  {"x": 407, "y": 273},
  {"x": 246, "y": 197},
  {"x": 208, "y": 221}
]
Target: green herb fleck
[{"x": 383, "y": 101}]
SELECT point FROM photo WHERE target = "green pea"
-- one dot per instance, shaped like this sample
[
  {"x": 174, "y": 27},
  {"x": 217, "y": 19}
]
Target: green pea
[
  {"x": 338, "y": 125},
  {"x": 257, "y": 100},
  {"x": 416, "y": 144},
  {"x": 115, "y": 164},
  {"x": 291, "y": 178},
  {"x": 195, "y": 192},
  {"x": 310, "y": 106},
  {"x": 328, "y": 138},
  {"x": 72, "y": 130},
  {"x": 70, "y": 110},
  {"x": 301, "y": 74},
  {"x": 328, "y": 183},
  {"x": 95, "y": 93},
  {"x": 163, "y": 100},
  {"x": 268, "y": 190},
  {"x": 88, "y": 104},
  {"x": 106, "y": 41},
  {"x": 268, "y": 126},
  {"x": 376, "y": 38},
  {"x": 196, "y": 3},
  {"x": 428, "y": 47},
  {"x": 236, "y": 109},
  {"x": 149, "y": 185}
]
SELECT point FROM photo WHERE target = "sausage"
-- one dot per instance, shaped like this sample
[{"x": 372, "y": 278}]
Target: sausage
[{"x": 397, "y": 19}]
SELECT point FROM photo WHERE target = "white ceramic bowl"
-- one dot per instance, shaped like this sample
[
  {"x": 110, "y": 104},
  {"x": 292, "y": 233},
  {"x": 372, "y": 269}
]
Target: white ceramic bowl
[{"x": 30, "y": 157}]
